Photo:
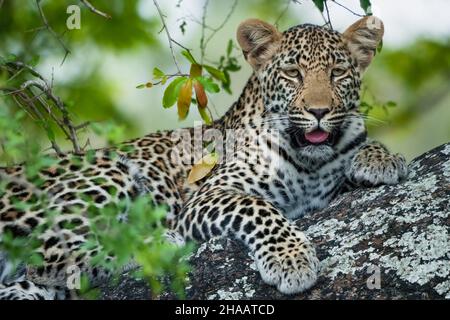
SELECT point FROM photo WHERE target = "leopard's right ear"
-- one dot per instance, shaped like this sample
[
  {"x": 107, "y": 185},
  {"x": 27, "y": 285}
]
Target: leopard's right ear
[{"x": 259, "y": 41}]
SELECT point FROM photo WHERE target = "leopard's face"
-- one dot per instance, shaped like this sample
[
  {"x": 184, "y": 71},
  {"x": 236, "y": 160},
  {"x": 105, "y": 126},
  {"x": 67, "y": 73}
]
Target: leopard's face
[{"x": 311, "y": 77}]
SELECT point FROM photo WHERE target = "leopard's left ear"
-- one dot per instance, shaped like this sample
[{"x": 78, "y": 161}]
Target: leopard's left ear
[
  {"x": 362, "y": 39},
  {"x": 259, "y": 40}
]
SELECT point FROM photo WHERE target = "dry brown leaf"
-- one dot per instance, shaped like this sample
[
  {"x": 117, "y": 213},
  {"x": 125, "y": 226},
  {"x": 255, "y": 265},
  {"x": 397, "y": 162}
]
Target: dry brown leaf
[{"x": 203, "y": 167}]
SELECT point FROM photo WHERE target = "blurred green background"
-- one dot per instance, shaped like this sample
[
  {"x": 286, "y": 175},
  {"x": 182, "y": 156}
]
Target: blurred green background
[{"x": 109, "y": 58}]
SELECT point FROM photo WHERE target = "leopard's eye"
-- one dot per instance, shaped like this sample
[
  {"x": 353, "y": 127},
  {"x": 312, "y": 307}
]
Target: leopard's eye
[
  {"x": 337, "y": 72},
  {"x": 292, "y": 73}
]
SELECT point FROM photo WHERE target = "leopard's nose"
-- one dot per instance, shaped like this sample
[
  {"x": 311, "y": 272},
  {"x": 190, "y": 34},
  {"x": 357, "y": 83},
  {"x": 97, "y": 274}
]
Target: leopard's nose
[{"x": 319, "y": 113}]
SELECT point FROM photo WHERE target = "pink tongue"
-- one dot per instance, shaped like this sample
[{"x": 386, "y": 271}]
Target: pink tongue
[{"x": 316, "y": 136}]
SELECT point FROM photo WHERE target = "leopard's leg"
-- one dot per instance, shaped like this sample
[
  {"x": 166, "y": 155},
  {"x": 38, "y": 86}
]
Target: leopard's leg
[
  {"x": 283, "y": 255},
  {"x": 374, "y": 165}
]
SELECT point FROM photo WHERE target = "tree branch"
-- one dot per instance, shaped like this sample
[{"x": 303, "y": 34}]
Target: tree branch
[
  {"x": 169, "y": 37},
  {"x": 49, "y": 29},
  {"x": 95, "y": 10},
  {"x": 27, "y": 102},
  {"x": 204, "y": 42},
  {"x": 346, "y": 8},
  {"x": 328, "y": 15}
]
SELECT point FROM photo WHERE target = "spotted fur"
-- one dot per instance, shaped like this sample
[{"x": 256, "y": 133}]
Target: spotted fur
[{"x": 305, "y": 79}]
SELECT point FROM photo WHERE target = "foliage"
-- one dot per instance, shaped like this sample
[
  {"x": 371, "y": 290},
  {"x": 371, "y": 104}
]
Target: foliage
[
  {"x": 138, "y": 241},
  {"x": 416, "y": 76},
  {"x": 181, "y": 87}
]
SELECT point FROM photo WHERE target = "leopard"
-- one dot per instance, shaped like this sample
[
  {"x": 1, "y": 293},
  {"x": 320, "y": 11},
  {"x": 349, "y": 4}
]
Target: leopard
[{"x": 291, "y": 143}]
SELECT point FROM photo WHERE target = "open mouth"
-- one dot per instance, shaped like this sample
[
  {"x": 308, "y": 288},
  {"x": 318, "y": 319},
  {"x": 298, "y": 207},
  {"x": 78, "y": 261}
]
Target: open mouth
[{"x": 316, "y": 137}]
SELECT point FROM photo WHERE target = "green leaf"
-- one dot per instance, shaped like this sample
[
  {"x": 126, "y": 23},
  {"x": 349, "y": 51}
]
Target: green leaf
[
  {"x": 196, "y": 70},
  {"x": 391, "y": 104},
  {"x": 366, "y": 6},
  {"x": 145, "y": 85},
  {"x": 171, "y": 92},
  {"x": 229, "y": 47},
  {"x": 208, "y": 84},
  {"x": 188, "y": 56},
  {"x": 215, "y": 73},
  {"x": 11, "y": 57},
  {"x": 50, "y": 134},
  {"x": 35, "y": 260},
  {"x": 380, "y": 46},
  {"x": 157, "y": 73},
  {"x": 34, "y": 61},
  {"x": 204, "y": 114},
  {"x": 319, "y": 4}
]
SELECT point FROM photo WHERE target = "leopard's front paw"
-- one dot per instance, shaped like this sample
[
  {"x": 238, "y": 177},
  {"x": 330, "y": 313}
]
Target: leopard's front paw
[
  {"x": 292, "y": 266},
  {"x": 373, "y": 169}
]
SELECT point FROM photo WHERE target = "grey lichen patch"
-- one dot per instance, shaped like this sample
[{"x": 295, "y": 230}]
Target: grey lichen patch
[
  {"x": 443, "y": 288},
  {"x": 446, "y": 170},
  {"x": 252, "y": 265},
  {"x": 422, "y": 256},
  {"x": 225, "y": 295},
  {"x": 213, "y": 245},
  {"x": 247, "y": 288},
  {"x": 446, "y": 149},
  {"x": 240, "y": 289},
  {"x": 342, "y": 256}
]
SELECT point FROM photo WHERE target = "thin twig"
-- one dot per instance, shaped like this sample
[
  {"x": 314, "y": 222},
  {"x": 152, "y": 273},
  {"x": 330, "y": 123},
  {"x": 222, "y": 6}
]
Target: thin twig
[
  {"x": 328, "y": 14},
  {"x": 45, "y": 89},
  {"x": 192, "y": 18},
  {"x": 95, "y": 10},
  {"x": 82, "y": 125},
  {"x": 169, "y": 37},
  {"x": 203, "y": 23},
  {"x": 26, "y": 100},
  {"x": 288, "y": 2},
  {"x": 49, "y": 28},
  {"x": 283, "y": 12},
  {"x": 204, "y": 43},
  {"x": 168, "y": 76},
  {"x": 346, "y": 8},
  {"x": 228, "y": 16},
  {"x": 30, "y": 69}
]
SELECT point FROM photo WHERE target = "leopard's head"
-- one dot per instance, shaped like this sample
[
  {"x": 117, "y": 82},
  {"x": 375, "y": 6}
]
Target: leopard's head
[{"x": 310, "y": 77}]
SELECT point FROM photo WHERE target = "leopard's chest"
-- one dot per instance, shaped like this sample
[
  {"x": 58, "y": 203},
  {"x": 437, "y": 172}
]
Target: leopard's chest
[
  {"x": 269, "y": 167},
  {"x": 298, "y": 192}
]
